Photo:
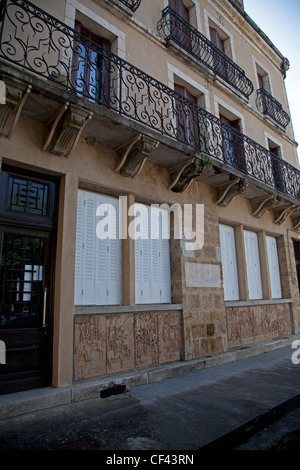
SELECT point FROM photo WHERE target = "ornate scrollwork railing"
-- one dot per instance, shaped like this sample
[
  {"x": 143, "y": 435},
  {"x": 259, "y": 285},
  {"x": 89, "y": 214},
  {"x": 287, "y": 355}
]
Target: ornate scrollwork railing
[
  {"x": 37, "y": 42},
  {"x": 173, "y": 27},
  {"x": 131, "y": 4},
  {"x": 269, "y": 106}
]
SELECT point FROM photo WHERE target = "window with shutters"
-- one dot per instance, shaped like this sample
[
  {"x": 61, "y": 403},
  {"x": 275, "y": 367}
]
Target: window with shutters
[
  {"x": 91, "y": 68},
  {"x": 98, "y": 262},
  {"x": 229, "y": 263},
  {"x": 274, "y": 267},
  {"x": 186, "y": 116},
  {"x": 253, "y": 265},
  {"x": 152, "y": 255}
]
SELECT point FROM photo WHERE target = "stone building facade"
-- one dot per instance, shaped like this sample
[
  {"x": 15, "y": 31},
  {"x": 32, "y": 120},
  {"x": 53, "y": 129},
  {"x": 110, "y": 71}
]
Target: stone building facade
[{"x": 112, "y": 107}]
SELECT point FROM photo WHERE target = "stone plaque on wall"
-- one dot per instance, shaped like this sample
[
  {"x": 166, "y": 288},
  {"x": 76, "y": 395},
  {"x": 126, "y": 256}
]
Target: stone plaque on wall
[{"x": 202, "y": 275}]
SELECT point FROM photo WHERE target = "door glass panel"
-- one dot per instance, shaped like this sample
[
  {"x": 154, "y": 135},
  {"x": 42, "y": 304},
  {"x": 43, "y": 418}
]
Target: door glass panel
[
  {"x": 21, "y": 281},
  {"x": 27, "y": 196}
]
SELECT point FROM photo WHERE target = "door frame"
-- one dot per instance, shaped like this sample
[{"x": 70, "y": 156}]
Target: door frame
[{"x": 45, "y": 226}]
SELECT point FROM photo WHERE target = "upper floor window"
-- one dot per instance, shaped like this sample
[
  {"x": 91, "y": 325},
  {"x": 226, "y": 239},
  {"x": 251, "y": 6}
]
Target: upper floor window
[
  {"x": 91, "y": 66},
  {"x": 186, "y": 116},
  {"x": 232, "y": 143},
  {"x": 180, "y": 8},
  {"x": 220, "y": 39}
]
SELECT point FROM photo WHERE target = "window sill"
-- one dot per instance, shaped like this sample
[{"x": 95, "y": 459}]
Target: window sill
[
  {"x": 252, "y": 303},
  {"x": 104, "y": 309}
]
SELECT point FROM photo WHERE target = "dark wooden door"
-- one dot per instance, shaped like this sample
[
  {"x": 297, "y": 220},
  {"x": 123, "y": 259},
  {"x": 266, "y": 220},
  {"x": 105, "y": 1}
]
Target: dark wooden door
[{"x": 27, "y": 237}]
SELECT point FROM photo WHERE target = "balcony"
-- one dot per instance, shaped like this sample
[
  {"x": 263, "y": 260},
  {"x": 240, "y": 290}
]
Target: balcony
[
  {"x": 268, "y": 106},
  {"x": 103, "y": 94},
  {"x": 175, "y": 29}
]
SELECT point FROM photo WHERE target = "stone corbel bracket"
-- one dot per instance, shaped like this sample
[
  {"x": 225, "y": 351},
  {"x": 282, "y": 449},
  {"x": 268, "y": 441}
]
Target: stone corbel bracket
[
  {"x": 66, "y": 126},
  {"x": 281, "y": 214},
  {"x": 262, "y": 205},
  {"x": 296, "y": 222},
  {"x": 16, "y": 94},
  {"x": 226, "y": 192},
  {"x": 133, "y": 154},
  {"x": 183, "y": 174}
]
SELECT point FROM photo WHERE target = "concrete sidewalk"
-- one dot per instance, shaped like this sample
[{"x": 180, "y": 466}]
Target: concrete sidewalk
[{"x": 209, "y": 403}]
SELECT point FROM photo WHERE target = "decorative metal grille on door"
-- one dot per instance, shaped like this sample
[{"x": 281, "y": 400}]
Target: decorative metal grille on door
[{"x": 21, "y": 281}]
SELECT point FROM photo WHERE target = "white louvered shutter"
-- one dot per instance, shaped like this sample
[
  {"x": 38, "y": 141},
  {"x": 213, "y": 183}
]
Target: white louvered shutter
[
  {"x": 98, "y": 261},
  {"x": 142, "y": 255},
  {"x": 164, "y": 256},
  {"x": 89, "y": 250},
  {"x": 253, "y": 265},
  {"x": 274, "y": 267},
  {"x": 152, "y": 257},
  {"x": 79, "y": 242},
  {"x": 155, "y": 254},
  {"x": 114, "y": 259},
  {"x": 229, "y": 263}
]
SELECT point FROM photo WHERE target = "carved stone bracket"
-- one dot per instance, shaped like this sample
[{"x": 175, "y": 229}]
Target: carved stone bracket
[
  {"x": 296, "y": 222},
  {"x": 262, "y": 205},
  {"x": 226, "y": 192},
  {"x": 281, "y": 214},
  {"x": 133, "y": 154},
  {"x": 16, "y": 94},
  {"x": 67, "y": 125},
  {"x": 183, "y": 174}
]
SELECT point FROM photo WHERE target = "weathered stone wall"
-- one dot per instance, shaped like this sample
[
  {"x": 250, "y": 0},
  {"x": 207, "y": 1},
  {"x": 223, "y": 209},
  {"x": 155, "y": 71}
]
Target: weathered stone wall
[
  {"x": 204, "y": 323},
  {"x": 251, "y": 324},
  {"x": 110, "y": 343}
]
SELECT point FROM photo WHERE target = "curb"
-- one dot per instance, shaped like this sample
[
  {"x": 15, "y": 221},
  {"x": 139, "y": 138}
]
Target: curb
[
  {"x": 240, "y": 434},
  {"x": 20, "y": 403}
]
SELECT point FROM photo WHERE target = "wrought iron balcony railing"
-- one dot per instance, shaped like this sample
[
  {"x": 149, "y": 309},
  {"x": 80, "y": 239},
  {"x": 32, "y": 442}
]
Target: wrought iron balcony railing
[
  {"x": 173, "y": 27},
  {"x": 32, "y": 39},
  {"x": 131, "y": 4},
  {"x": 271, "y": 107}
]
